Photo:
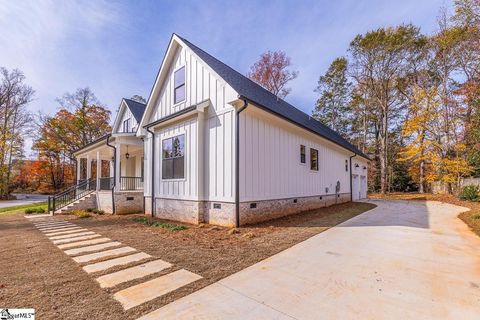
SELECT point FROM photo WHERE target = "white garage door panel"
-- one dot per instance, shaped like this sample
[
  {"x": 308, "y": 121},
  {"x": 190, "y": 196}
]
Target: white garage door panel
[
  {"x": 355, "y": 187},
  {"x": 363, "y": 187}
]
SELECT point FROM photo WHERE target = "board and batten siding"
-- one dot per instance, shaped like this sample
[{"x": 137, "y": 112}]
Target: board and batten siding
[
  {"x": 270, "y": 165},
  {"x": 126, "y": 114},
  {"x": 201, "y": 84},
  {"x": 218, "y": 134}
]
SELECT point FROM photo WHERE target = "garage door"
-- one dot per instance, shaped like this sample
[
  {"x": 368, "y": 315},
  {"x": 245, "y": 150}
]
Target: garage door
[
  {"x": 355, "y": 187},
  {"x": 363, "y": 187}
]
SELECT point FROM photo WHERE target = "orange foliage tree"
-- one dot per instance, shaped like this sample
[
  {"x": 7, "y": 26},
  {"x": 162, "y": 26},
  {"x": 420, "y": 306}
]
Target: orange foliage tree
[{"x": 80, "y": 120}]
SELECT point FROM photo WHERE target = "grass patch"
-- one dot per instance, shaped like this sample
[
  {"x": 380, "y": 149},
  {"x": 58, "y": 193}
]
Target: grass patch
[
  {"x": 22, "y": 208},
  {"x": 157, "y": 224}
]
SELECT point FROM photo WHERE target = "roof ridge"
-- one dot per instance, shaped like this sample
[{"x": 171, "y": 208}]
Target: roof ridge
[
  {"x": 134, "y": 101},
  {"x": 244, "y": 76},
  {"x": 250, "y": 90}
]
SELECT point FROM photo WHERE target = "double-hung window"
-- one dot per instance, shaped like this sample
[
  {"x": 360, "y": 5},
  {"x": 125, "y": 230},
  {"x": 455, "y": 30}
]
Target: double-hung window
[
  {"x": 303, "y": 154},
  {"x": 173, "y": 157},
  {"x": 313, "y": 159},
  {"x": 126, "y": 125},
  {"x": 179, "y": 85}
]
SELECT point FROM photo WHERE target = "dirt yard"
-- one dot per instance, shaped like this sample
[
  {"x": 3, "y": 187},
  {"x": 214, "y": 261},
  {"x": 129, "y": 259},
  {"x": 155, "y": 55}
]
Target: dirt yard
[
  {"x": 471, "y": 218},
  {"x": 38, "y": 275}
]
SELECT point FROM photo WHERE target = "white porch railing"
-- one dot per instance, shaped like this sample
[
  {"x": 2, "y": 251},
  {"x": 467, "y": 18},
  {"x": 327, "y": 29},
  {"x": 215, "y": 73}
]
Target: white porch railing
[{"x": 131, "y": 183}]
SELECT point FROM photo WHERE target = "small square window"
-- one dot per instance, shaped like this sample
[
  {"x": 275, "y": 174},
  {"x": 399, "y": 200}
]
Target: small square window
[
  {"x": 179, "y": 85},
  {"x": 313, "y": 159},
  {"x": 303, "y": 157}
]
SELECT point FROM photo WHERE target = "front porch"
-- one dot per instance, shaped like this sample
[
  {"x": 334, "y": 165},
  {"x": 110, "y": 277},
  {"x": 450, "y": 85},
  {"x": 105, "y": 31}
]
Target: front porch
[
  {"x": 109, "y": 175},
  {"x": 116, "y": 164}
]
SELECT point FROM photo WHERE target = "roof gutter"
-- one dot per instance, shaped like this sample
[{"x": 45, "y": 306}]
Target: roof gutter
[
  {"x": 114, "y": 171},
  {"x": 152, "y": 206},
  {"x": 237, "y": 163},
  {"x": 351, "y": 177}
]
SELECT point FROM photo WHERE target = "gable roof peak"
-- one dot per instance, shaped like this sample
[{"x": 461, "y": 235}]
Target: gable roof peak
[{"x": 255, "y": 93}]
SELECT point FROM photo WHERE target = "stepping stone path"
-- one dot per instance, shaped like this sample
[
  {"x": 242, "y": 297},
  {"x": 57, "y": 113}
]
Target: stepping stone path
[{"x": 87, "y": 247}]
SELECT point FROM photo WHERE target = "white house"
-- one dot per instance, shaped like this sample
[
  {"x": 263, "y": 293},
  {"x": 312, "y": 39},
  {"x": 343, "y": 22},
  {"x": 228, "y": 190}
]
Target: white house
[{"x": 212, "y": 146}]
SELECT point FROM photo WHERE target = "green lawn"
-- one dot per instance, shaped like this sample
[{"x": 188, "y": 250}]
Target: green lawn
[{"x": 21, "y": 209}]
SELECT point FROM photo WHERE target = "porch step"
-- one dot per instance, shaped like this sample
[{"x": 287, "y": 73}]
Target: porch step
[{"x": 74, "y": 205}]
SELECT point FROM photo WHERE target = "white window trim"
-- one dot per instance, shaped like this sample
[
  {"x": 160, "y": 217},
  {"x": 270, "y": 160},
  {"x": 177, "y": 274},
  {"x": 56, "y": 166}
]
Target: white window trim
[
  {"x": 123, "y": 125},
  {"x": 175, "y": 104},
  {"x": 310, "y": 161},
  {"x": 306, "y": 156},
  {"x": 166, "y": 137}
]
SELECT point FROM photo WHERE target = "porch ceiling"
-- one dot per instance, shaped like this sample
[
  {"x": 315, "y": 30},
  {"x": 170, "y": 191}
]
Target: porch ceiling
[{"x": 105, "y": 153}]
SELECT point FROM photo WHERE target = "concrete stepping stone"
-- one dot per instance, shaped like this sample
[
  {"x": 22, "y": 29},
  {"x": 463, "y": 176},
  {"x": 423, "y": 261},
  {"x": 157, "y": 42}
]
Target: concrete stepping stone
[
  {"x": 47, "y": 223},
  {"x": 59, "y": 228},
  {"x": 107, "y": 264},
  {"x": 39, "y": 217},
  {"x": 103, "y": 254},
  {"x": 71, "y": 235},
  {"x": 51, "y": 225},
  {"x": 129, "y": 274},
  {"x": 143, "y": 292},
  {"x": 76, "y": 239},
  {"x": 95, "y": 247},
  {"x": 56, "y": 229},
  {"x": 83, "y": 243},
  {"x": 64, "y": 232}
]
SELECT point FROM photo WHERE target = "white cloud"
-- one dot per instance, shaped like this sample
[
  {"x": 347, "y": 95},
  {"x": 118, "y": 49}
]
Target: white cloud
[{"x": 55, "y": 43}]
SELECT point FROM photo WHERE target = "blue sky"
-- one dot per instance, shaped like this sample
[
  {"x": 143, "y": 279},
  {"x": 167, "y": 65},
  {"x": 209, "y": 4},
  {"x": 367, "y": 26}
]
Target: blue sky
[{"x": 116, "y": 47}]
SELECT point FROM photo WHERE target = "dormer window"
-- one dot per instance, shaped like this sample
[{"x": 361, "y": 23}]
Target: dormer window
[
  {"x": 126, "y": 125},
  {"x": 179, "y": 85}
]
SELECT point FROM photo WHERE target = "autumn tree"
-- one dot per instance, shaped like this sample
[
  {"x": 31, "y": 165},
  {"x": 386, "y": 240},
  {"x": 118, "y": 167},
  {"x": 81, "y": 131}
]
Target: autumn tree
[
  {"x": 272, "y": 72},
  {"x": 379, "y": 64},
  {"x": 421, "y": 131},
  {"x": 80, "y": 120},
  {"x": 333, "y": 105},
  {"x": 14, "y": 118}
]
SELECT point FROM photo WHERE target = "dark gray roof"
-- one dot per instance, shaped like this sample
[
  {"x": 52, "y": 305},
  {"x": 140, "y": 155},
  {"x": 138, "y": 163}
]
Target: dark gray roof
[
  {"x": 136, "y": 107},
  {"x": 255, "y": 93}
]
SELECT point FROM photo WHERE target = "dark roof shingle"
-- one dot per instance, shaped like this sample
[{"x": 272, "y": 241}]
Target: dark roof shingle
[
  {"x": 252, "y": 91},
  {"x": 136, "y": 107}
]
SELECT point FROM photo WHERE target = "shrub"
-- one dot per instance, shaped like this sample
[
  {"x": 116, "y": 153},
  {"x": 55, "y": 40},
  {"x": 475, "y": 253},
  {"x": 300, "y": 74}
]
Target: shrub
[
  {"x": 168, "y": 226},
  {"x": 470, "y": 193},
  {"x": 155, "y": 224},
  {"x": 81, "y": 214},
  {"x": 90, "y": 209},
  {"x": 97, "y": 211},
  {"x": 476, "y": 216},
  {"x": 34, "y": 210},
  {"x": 143, "y": 220}
]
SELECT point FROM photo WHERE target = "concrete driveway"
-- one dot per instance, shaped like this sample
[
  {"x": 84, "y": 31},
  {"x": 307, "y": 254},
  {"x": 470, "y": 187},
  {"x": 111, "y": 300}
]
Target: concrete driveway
[{"x": 401, "y": 260}]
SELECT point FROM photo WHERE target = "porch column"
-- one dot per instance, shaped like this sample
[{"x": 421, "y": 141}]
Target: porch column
[
  {"x": 99, "y": 170},
  {"x": 89, "y": 167},
  {"x": 118, "y": 156},
  {"x": 79, "y": 163},
  {"x": 112, "y": 167}
]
